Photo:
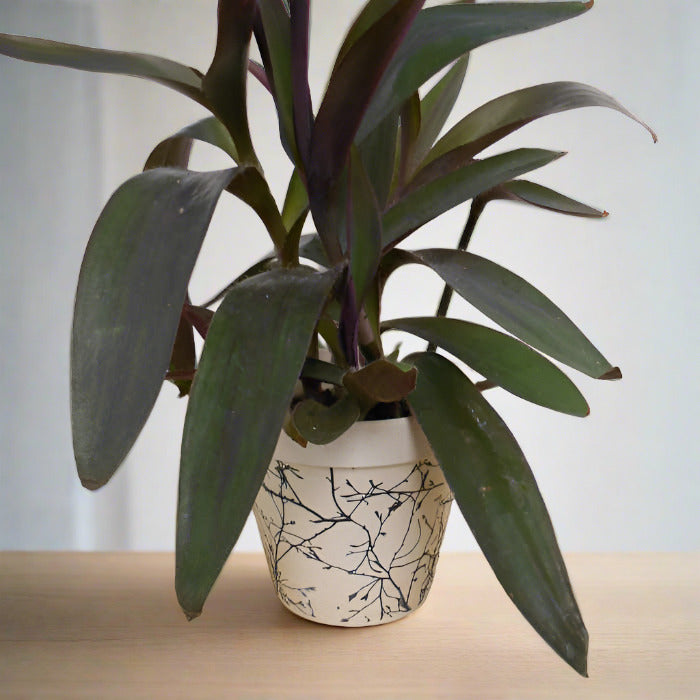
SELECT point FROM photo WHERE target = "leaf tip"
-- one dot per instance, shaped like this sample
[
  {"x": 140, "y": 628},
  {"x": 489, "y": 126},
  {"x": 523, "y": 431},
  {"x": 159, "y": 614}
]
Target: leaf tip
[
  {"x": 588, "y": 5},
  {"x": 611, "y": 374},
  {"x": 605, "y": 214},
  {"x": 191, "y": 614},
  {"x": 91, "y": 484}
]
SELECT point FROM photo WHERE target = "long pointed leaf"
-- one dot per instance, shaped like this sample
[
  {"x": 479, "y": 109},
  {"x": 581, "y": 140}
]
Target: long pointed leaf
[
  {"x": 209, "y": 130},
  {"x": 503, "y": 115},
  {"x": 161, "y": 70},
  {"x": 301, "y": 93},
  {"x": 527, "y": 192},
  {"x": 366, "y": 228},
  {"x": 225, "y": 83},
  {"x": 370, "y": 14},
  {"x": 276, "y": 35},
  {"x": 251, "y": 360},
  {"x": 517, "y": 307},
  {"x": 499, "y": 498},
  {"x": 378, "y": 152},
  {"x": 338, "y": 118},
  {"x": 436, "y": 107},
  {"x": 503, "y": 360},
  {"x": 432, "y": 199},
  {"x": 442, "y": 34},
  {"x": 130, "y": 293}
]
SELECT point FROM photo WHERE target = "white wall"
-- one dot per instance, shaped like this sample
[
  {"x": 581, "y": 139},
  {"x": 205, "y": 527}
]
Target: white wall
[{"x": 624, "y": 478}]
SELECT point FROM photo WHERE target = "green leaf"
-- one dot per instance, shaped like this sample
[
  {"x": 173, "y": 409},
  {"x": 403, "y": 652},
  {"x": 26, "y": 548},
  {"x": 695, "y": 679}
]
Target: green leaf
[
  {"x": 174, "y": 75},
  {"x": 440, "y": 35},
  {"x": 503, "y": 115},
  {"x": 365, "y": 228},
  {"x": 436, "y": 107},
  {"x": 225, "y": 83},
  {"x": 183, "y": 358},
  {"x": 131, "y": 290},
  {"x": 322, "y": 371},
  {"x": 310, "y": 247},
  {"x": 518, "y": 307},
  {"x": 296, "y": 201},
  {"x": 378, "y": 152},
  {"x": 380, "y": 381},
  {"x": 210, "y": 130},
  {"x": 527, "y": 192},
  {"x": 424, "y": 203},
  {"x": 498, "y": 496},
  {"x": 251, "y": 360},
  {"x": 503, "y": 360},
  {"x": 278, "y": 61},
  {"x": 319, "y": 424},
  {"x": 410, "y": 127}
]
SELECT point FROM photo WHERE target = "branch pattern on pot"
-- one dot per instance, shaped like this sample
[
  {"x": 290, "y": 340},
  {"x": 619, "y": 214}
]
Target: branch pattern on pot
[{"x": 393, "y": 518}]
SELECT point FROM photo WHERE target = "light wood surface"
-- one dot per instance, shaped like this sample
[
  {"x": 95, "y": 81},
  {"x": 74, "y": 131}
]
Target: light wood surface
[{"x": 108, "y": 626}]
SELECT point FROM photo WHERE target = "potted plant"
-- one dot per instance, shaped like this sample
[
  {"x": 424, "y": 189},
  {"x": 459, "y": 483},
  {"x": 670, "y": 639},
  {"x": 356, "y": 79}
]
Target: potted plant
[{"x": 293, "y": 366}]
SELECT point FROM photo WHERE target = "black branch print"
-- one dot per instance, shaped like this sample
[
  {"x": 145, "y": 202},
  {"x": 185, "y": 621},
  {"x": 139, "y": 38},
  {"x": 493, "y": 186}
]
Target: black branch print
[{"x": 390, "y": 529}]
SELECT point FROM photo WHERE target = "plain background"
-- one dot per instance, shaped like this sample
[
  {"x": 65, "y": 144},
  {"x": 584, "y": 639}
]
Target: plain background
[{"x": 625, "y": 478}]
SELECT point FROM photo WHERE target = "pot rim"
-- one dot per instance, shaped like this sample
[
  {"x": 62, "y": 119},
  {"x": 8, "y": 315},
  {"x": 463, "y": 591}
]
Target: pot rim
[{"x": 378, "y": 443}]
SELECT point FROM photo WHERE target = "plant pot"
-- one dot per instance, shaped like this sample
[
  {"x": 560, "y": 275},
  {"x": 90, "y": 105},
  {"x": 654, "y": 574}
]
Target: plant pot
[{"x": 352, "y": 530}]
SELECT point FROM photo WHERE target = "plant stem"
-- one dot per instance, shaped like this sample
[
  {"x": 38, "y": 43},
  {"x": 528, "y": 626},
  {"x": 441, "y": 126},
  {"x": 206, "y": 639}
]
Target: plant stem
[{"x": 477, "y": 207}]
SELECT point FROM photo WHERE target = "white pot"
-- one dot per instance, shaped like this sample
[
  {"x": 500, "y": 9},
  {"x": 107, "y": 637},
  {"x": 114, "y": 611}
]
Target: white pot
[{"x": 352, "y": 530}]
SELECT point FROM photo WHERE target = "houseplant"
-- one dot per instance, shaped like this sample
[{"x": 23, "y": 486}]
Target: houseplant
[{"x": 371, "y": 170}]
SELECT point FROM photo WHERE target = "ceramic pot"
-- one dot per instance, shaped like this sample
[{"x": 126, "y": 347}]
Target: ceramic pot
[{"x": 352, "y": 530}]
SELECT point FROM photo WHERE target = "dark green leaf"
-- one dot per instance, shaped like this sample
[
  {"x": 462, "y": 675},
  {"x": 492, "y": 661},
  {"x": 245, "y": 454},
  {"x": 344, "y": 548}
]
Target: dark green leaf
[
  {"x": 296, "y": 201},
  {"x": 423, "y": 204},
  {"x": 209, "y": 130},
  {"x": 161, "y": 70},
  {"x": 322, "y": 371},
  {"x": 301, "y": 95},
  {"x": 528, "y": 192},
  {"x": 436, "y": 107},
  {"x": 440, "y": 35},
  {"x": 172, "y": 152},
  {"x": 183, "y": 358},
  {"x": 499, "y": 498},
  {"x": 410, "y": 128},
  {"x": 380, "y": 381},
  {"x": 252, "y": 357},
  {"x": 504, "y": 360},
  {"x": 500, "y": 117},
  {"x": 378, "y": 152},
  {"x": 131, "y": 290},
  {"x": 225, "y": 83},
  {"x": 277, "y": 35},
  {"x": 365, "y": 228},
  {"x": 338, "y": 118},
  {"x": 517, "y": 307},
  {"x": 319, "y": 424},
  {"x": 310, "y": 248}
]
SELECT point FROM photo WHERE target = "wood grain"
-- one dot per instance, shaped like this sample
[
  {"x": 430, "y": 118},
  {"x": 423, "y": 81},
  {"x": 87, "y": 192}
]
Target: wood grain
[{"x": 81, "y": 625}]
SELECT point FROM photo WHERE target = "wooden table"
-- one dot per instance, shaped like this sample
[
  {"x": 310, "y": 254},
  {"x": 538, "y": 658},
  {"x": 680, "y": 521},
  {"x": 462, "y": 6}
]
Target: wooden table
[{"x": 108, "y": 626}]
